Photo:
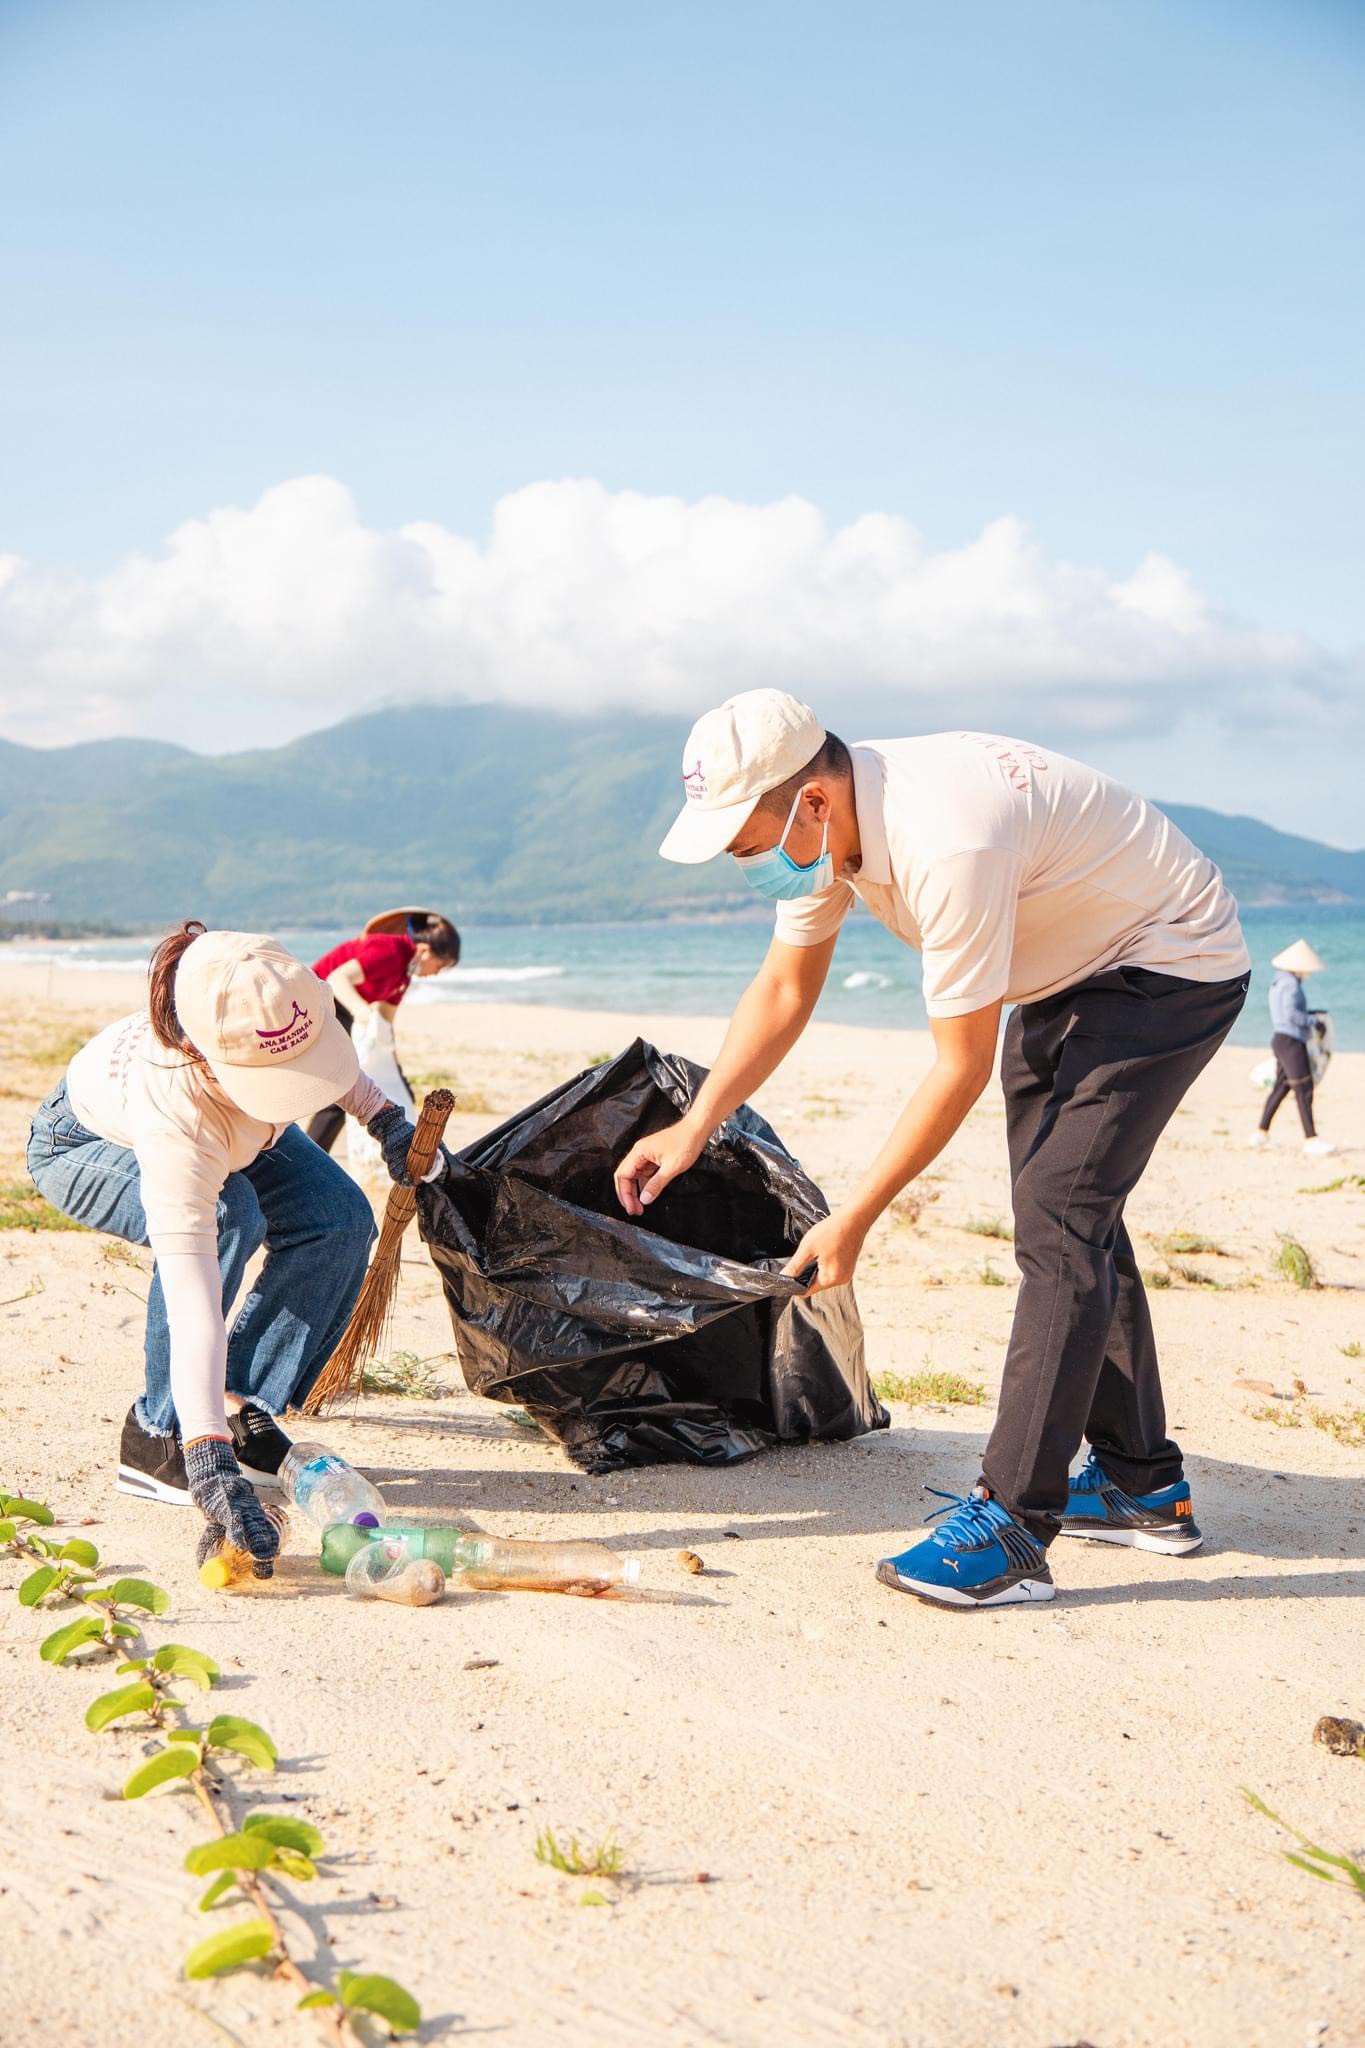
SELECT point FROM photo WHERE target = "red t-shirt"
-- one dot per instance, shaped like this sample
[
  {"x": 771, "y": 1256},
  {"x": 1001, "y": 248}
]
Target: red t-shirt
[{"x": 386, "y": 958}]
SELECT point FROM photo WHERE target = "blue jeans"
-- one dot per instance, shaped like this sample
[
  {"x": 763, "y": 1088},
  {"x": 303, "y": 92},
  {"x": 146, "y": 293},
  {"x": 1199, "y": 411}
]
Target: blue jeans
[{"x": 315, "y": 1223}]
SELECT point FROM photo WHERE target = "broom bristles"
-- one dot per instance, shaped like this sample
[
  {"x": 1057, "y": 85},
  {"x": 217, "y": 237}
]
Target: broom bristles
[{"x": 369, "y": 1319}]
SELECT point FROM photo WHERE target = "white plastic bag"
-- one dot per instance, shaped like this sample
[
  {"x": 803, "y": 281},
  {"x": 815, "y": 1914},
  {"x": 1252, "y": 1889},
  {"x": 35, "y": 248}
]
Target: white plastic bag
[{"x": 374, "y": 1043}]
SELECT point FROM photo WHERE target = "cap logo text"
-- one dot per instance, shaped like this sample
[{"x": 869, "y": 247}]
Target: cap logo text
[
  {"x": 290, "y": 1036},
  {"x": 694, "y": 783}
]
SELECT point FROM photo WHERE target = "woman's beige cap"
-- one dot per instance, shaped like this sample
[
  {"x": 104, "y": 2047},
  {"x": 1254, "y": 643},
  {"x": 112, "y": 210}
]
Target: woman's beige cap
[
  {"x": 265, "y": 1025},
  {"x": 733, "y": 757},
  {"x": 1298, "y": 959}
]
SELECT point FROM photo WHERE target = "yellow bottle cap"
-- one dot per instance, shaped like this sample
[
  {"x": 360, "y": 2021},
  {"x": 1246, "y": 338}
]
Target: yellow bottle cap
[{"x": 215, "y": 1573}]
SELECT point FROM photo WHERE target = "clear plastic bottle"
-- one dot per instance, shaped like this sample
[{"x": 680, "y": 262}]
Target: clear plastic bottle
[
  {"x": 387, "y": 1570},
  {"x": 326, "y": 1490},
  {"x": 230, "y": 1569},
  {"x": 495, "y": 1564}
]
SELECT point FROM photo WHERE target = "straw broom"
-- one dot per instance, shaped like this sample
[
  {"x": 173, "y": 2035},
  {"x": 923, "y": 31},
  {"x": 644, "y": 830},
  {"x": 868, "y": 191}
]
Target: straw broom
[{"x": 364, "y": 1333}]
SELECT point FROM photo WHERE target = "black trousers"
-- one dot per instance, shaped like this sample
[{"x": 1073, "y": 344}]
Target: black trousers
[
  {"x": 325, "y": 1128},
  {"x": 1291, "y": 1071},
  {"x": 1091, "y": 1077}
]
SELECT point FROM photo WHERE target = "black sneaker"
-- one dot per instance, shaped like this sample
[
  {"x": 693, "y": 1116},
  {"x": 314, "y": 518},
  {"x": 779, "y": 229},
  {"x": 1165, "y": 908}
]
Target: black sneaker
[
  {"x": 261, "y": 1445},
  {"x": 151, "y": 1467}
]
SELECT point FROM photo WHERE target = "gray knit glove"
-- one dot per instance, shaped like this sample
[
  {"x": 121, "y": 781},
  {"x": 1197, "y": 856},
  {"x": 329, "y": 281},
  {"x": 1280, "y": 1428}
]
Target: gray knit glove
[
  {"x": 393, "y": 1134},
  {"x": 229, "y": 1505}
]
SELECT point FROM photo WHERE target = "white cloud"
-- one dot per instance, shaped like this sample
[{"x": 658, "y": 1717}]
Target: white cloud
[{"x": 292, "y": 612}]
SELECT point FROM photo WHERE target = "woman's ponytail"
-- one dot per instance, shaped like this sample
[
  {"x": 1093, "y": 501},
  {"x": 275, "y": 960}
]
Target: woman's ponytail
[{"x": 161, "y": 987}]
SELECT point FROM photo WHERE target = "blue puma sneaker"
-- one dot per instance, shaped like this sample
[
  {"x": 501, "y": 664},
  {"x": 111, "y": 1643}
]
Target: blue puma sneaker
[
  {"x": 1097, "y": 1508},
  {"x": 978, "y": 1556}
]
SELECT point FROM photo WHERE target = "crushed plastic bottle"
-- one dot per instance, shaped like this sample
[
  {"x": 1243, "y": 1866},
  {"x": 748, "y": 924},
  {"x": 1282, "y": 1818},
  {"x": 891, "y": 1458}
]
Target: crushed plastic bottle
[
  {"x": 387, "y": 1570},
  {"x": 230, "y": 1569},
  {"x": 495, "y": 1564},
  {"x": 326, "y": 1490}
]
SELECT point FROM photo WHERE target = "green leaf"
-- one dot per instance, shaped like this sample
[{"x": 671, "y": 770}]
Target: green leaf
[
  {"x": 594, "y": 1899},
  {"x": 112, "y": 1706},
  {"x": 287, "y": 1832},
  {"x": 80, "y": 1552},
  {"x": 246, "y": 1942},
  {"x": 179, "y": 1662},
  {"x": 301, "y": 1868},
  {"x": 167, "y": 1763},
  {"x": 183, "y": 1734},
  {"x": 40, "y": 1544},
  {"x": 133, "y": 1664},
  {"x": 380, "y": 1995},
  {"x": 17, "y": 1509},
  {"x": 227, "y": 1731},
  {"x": 229, "y": 1852},
  {"x": 74, "y": 1636},
  {"x": 313, "y": 1999},
  {"x": 138, "y": 1593},
  {"x": 37, "y": 1583},
  {"x": 224, "y": 1882},
  {"x": 8, "y": 1532},
  {"x": 1304, "y": 1863}
]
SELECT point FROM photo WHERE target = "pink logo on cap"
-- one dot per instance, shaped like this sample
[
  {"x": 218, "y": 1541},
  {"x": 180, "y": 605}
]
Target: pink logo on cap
[
  {"x": 694, "y": 783},
  {"x": 289, "y": 1036}
]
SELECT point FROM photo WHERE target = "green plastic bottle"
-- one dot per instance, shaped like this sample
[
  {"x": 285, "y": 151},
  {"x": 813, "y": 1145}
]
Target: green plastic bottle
[{"x": 451, "y": 1549}]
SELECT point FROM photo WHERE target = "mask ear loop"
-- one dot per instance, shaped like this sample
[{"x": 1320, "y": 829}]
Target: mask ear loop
[{"x": 791, "y": 820}]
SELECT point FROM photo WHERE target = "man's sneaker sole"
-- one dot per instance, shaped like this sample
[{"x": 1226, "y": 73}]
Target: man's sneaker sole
[
  {"x": 1170, "y": 1541},
  {"x": 258, "y": 1478},
  {"x": 143, "y": 1486},
  {"x": 1018, "y": 1593}
]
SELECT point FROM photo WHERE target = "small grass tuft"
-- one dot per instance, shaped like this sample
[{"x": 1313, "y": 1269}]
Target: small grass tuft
[
  {"x": 920, "y": 1387},
  {"x": 990, "y": 1276},
  {"x": 1294, "y": 1263},
  {"x": 1352, "y": 1350},
  {"x": 403, "y": 1373},
  {"x": 1155, "y": 1278},
  {"x": 23, "y": 1208},
  {"x": 1332, "y": 1187},
  {"x": 990, "y": 1226},
  {"x": 1190, "y": 1244},
  {"x": 1283, "y": 1417},
  {"x": 602, "y": 1858},
  {"x": 1346, "y": 1425},
  {"x": 908, "y": 1208}
]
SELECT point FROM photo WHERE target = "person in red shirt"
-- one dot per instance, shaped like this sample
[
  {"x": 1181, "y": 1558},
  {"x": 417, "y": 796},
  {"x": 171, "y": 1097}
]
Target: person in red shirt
[{"x": 370, "y": 974}]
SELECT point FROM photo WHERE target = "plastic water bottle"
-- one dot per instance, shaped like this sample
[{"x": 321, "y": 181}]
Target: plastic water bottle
[
  {"x": 231, "y": 1568},
  {"x": 492, "y": 1563},
  {"x": 387, "y": 1570},
  {"x": 326, "y": 1490}
]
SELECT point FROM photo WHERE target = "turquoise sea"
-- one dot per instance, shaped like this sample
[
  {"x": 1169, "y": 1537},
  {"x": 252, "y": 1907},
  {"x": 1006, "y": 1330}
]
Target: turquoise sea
[{"x": 702, "y": 968}]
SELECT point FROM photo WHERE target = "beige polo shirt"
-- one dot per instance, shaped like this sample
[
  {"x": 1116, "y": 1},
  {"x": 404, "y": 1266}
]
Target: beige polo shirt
[{"x": 1016, "y": 873}]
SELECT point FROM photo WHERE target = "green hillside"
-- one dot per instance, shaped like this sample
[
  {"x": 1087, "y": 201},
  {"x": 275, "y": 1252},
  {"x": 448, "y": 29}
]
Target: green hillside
[{"x": 502, "y": 815}]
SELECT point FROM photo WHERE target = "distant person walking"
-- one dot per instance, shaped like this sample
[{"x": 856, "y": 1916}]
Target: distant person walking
[
  {"x": 1293, "y": 1028},
  {"x": 369, "y": 977}
]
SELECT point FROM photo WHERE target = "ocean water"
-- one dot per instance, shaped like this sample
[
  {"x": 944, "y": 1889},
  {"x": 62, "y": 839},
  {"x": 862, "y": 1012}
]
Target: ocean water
[{"x": 703, "y": 968}]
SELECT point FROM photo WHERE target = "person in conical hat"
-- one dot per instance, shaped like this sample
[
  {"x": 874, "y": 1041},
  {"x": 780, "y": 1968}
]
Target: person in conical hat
[{"x": 1291, "y": 1027}]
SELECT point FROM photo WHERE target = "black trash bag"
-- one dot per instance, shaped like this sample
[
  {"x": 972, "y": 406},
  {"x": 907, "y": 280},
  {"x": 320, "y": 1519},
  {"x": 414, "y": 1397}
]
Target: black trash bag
[{"x": 681, "y": 1342}]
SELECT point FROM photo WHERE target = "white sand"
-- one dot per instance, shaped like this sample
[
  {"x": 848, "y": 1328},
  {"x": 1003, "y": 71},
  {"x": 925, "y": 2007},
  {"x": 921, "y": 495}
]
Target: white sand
[{"x": 1020, "y": 1828}]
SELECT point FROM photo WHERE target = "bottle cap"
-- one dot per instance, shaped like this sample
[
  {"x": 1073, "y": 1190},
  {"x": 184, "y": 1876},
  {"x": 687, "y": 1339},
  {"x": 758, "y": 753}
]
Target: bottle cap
[
  {"x": 365, "y": 1520},
  {"x": 215, "y": 1573}
]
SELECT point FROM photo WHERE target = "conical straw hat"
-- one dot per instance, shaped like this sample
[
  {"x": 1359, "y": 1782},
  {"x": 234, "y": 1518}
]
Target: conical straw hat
[{"x": 1298, "y": 959}]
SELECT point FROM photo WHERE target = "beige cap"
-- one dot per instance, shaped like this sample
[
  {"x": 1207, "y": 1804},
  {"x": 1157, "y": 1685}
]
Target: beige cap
[
  {"x": 1298, "y": 959},
  {"x": 733, "y": 757},
  {"x": 265, "y": 1025}
]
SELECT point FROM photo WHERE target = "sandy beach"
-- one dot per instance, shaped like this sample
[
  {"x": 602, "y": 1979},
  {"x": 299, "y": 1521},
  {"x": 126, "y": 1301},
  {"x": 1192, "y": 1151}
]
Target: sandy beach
[{"x": 916, "y": 1829}]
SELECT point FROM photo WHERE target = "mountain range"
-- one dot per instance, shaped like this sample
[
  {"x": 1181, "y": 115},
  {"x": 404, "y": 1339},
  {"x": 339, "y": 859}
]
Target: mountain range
[{"x": 495, "y": 814}]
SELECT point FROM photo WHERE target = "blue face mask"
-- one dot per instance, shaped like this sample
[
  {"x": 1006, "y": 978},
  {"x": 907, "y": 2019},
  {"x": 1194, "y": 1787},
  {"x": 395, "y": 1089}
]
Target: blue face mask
[{"x": 776, "y": 875}]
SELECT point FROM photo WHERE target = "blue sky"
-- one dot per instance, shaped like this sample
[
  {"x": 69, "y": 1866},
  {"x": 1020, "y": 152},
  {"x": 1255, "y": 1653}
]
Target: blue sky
[{"x": 1092, "y": 265}]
